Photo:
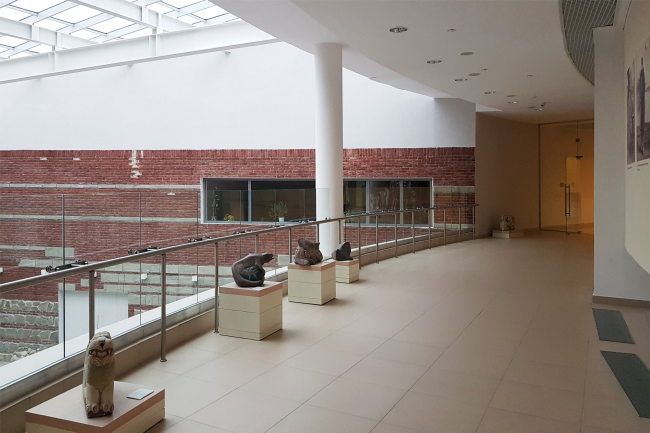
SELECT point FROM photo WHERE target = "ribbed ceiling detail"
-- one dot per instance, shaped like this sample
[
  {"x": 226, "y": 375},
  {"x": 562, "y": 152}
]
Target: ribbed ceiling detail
[{"x": 580, "y": 17}]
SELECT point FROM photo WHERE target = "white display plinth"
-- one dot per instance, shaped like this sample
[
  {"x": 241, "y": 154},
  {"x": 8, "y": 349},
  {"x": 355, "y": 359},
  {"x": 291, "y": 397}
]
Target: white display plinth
[
  {"x": 315, "y": 284},
  {"x": 507, "y": 234},
  {"x": 66, "y": 413},
  {"x": 347, "y": 271},
  {"x": 250, "y": 312}
]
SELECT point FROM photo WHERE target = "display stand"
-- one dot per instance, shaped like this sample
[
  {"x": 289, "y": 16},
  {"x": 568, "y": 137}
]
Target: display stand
[
  {"x": 507, "y": 234},
  {"x": 66, "y": 413},
  {"x": 250, "y": 312},
  {"x": 315, "y": 284},
  {"x": 347, "y": 271}
]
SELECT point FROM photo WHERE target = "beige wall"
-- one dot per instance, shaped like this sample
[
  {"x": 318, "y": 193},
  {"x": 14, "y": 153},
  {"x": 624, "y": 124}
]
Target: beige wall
[{"x": 507, "y": 173}]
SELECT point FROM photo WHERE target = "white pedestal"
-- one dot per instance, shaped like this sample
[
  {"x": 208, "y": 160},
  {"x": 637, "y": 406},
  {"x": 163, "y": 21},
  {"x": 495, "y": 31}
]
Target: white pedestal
[
  {"x": 250, "y": 312},
  {"x": 507, "y": 234},
  {"x": 66, "y": 413},
  {"x": 314, "y": 284},
  {"x": 347, "y": 271}
]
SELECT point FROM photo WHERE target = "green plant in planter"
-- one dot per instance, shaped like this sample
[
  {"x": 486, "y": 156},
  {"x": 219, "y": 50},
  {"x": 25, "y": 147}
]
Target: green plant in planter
[
  {"x": 279, "y": 210},
  {"x": 229, "y": 217}
]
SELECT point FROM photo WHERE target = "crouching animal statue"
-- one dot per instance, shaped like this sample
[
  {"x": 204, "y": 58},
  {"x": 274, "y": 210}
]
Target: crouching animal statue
[
  {"x": 99, "y": 376},
  {"x": 307, "y": 253},
  {"x": 342, "y": 252},
  {"x": 249, "y": 271}
]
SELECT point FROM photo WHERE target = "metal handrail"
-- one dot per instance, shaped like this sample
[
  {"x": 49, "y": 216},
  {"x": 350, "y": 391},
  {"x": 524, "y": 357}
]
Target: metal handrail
[{"x": 90, "y": 268}]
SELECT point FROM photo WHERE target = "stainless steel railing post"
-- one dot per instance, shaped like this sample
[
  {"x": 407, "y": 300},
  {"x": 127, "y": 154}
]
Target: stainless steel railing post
[
  {"x": 395, "y": 215},
  {"x": 91, "y": 304},
  {"x": 257, "y": 243},
  {"x": 473, "y": 223},
  {"x": 429, "y": 224},
  {"x": 444, "y": 226},
  {"x": 413, "y": 229},
  {"x": 459, "y": 226},
  {"x": 318, "y": 232},
  {"x": 163, "y": 309},
  {"x": 377, "y": 239},
  {"x": 216, "y": 287},
  {"x": 359, "y": 235},
  {"x": 290, "y": 245}
]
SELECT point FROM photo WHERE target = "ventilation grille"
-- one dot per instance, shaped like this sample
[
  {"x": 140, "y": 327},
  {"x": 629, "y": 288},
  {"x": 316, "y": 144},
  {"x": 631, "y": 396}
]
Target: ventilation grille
[{"x": 580, "y": 17}]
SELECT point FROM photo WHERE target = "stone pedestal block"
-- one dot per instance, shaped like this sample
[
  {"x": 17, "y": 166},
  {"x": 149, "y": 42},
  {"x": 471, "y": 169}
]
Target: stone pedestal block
[
  {"x": 314, "y": 284},
  {"x": 347, "y": 271},
  {"x": 507, "y": 234},
  {"x": 250, "y": 312},
  {"x": 66, "y": 413}
]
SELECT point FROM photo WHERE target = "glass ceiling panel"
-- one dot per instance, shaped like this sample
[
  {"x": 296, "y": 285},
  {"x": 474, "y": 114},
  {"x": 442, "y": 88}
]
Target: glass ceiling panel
[
  {"x": 22, "y": 54},
  {"x": 13, "y": 14},
  {"x": 85, "y": 34},
  {"x": 161, "y": 9},
  {"x": 180, "y": 3},
  {"x": 41, "y": 49},
  {"x": 111, "y": 25},
  {"x": 10, "y": 41},
  {"x": 212, "y": 12},
  {"x": 76, "y": 14},
  {"x": 36, "y": 5},
  {"x": 51, "y": 24},
  {"x": 139, "y": 33},
  {"x": 189, "y": 19}
]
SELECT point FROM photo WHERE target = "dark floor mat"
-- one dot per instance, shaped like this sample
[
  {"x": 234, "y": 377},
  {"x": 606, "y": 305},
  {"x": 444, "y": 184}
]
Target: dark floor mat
[
  {"x": 634, "y": 377},
  {"x": 611, "y": 326}
]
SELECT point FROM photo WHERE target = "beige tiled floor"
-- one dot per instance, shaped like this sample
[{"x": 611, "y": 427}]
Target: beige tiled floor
[{"x": 491, "y": 336}]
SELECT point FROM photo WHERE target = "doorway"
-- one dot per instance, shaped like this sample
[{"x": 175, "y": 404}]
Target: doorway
[{"x": 566, "y": 157}]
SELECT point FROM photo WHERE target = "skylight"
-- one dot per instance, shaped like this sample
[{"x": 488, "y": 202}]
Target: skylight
[
  {"x": 99, "y": 26},
  {"x": 36, "y": 5},
  {"x": 77, "y": 14}
]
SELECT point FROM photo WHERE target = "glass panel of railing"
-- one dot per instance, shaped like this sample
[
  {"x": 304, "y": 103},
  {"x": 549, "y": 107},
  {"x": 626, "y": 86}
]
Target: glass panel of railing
[{"x": 31, "y": 239}]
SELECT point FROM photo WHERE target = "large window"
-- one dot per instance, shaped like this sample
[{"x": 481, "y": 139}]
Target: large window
[{"x": 262, "y": 200}]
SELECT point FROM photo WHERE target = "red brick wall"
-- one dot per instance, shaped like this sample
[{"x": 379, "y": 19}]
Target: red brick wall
[{"x": 447, "y": 166}]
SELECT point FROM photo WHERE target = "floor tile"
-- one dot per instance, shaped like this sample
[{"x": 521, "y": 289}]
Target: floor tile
[
  {"x": 434, "y": 414},
  {"x": 217, "y": 343},
  {"x": 547, "y": 375},
  {"x": 290, "y": 383},
  {"x": 387, "y": 373},
  {"x": 357, "y": 398},
  {"x": 604, "y": 384},
  {"x": 503, "y": 421},
  {"x": 351, "y": 343},
  {"x": 324, "y": 361},
  {"x": 404, "y": 351},
  {"x": 268, "y": 351},
  {"x": 457, "y": 386},
  {"x": 185, "y": 395},
  {"x": 317, "y": 420},
  {"x": 186, "y": 426},
  {"x": 609, "y": 413},
  {"x": 183, "y": 359},
  {"x": 554, "y": 347},
  {"x": 383, "y": 427},
  {"x": 147, "y": 376},
  {"x": 245, "y": 412},
  {"x": 165, "y": 424},
  {"x": 230, "y": 370},
  {"x": 299, "y": 334},
  {"x": 494, "y": 366},
  {"x": 539, "y": 401}
]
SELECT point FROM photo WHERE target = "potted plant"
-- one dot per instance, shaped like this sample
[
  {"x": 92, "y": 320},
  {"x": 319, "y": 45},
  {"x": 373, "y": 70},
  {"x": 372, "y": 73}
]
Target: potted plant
[{"x": 279, "y": 210}]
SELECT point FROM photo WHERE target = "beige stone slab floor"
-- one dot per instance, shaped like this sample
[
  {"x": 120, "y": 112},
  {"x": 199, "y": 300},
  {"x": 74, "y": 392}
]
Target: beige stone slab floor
[{"x": 487, "y": 336}]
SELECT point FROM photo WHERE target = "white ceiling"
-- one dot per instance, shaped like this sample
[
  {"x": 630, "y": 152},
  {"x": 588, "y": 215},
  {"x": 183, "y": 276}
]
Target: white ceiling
[{"x": 510, "y": 38}]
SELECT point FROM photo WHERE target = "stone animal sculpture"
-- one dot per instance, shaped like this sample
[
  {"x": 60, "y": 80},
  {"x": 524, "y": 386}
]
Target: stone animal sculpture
[
  {"x": 249, "y": 271},
  {"x": 507, "y": 222},
  {"x": 99, "y": 376},
  {"x": 307, "y": 253},
  {"x": 342, "y": 252}
]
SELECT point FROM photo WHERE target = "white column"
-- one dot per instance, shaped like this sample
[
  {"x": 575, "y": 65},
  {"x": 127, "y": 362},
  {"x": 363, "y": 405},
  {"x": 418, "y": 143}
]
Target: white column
[{"x": 329, "y": 142}]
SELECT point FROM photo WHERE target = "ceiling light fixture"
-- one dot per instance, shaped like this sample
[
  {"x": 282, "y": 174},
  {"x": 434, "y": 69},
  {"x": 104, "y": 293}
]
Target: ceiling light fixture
[
  {"x": 530, "y": 75},
  {"x": 434, "y": 62},
  {"x": 484, "y": 69},
  {"x": 466, "y": 53},
  {"x": 489, "y": 92},
  {"x": 461, "y": 79},
  {"x": 398, "y": 29},
  {"x": 512, "y": 102},
  {"x": 451, "y": 30},
  {"x": 474, "y": 74},
  {"x": 511, "y": 96}
]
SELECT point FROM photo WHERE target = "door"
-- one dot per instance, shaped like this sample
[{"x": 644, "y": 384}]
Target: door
[{"x": 572, "y": 195}]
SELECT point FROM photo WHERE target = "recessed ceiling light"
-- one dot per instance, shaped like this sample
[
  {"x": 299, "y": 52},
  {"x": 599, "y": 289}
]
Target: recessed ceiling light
[
  {"x": 511, "y": 96},
  {"x": 512, "y": 102},
  {"x": 461, "y": 79},
  {"x": 534, "y": 97},
  {"x": 489, "y": 92},
  {"x": 474, "y": 74},
  {"x": 530, "y": 75},
  {"x": 532, "y": 106},
  {"x": 484, "y": 69},
  {"x": 398, "y": 29},
  {"x": 466, "y": 53},
  {"x": 451, "y": 30},
  {"x": 433, "y": 62},
  {"x": 538, "y": 109}
]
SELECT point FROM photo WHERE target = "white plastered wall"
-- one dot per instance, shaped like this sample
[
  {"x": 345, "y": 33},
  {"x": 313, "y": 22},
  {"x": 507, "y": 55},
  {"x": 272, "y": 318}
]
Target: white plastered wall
[{"x": 253, "y": 98}]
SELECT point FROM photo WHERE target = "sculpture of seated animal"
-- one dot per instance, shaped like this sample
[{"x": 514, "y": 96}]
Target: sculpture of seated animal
[
  {"x": 342, "y": 252},
  {"x": 99, "y": 376},
  {"x": 249, "y": 271},
  {"x": 507, "y": 222},
  {"x": 307, "y": 253}
]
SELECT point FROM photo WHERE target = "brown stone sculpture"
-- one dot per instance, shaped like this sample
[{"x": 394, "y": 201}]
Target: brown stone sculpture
[
  {"x": 249, "y": 271},
  {"x": 342, "y": 252},
  {"x": 99, "y": 376},
  {"x": 307, "y": 253}
]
